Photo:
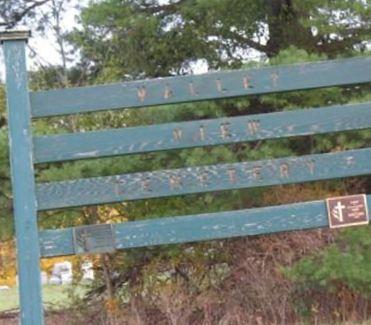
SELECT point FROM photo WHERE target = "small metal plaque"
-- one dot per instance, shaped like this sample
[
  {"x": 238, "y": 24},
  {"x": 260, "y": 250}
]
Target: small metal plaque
[
  {"x": 347, "y": 211},
  {"x": 94, "y": 239}
]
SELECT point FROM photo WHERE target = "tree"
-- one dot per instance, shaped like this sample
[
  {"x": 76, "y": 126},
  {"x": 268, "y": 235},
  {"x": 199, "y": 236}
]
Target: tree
[
  {"x": 127, "y": 39},
  {"x": 155, "y": 39},
  {"x": 15, "y": 12},
  {"x": 135, "y": 39}
]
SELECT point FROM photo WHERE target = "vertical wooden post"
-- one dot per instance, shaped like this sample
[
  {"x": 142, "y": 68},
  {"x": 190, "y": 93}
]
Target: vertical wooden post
[{"x": 23, "y": 182}]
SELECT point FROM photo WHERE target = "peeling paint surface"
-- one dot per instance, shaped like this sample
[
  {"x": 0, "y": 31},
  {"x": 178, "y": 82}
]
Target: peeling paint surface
[
  {"x": 30, "y": 197},
  {"x": 23, "y": 182},
  {"x": 209, "y": 86},
  {"x": 185, "y": 229},
  {"x": 202, "y": 179},
  {"x": 202, "y": 133}
]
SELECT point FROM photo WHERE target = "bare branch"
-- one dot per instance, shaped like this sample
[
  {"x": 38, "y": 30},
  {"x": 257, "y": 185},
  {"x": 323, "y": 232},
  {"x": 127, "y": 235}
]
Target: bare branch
[
  {"x": 14, "y": 17},
  {"x": 249, "y": 42}
]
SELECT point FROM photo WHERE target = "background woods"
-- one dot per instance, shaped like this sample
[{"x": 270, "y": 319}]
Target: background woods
[{"x": 315, "y": 275}]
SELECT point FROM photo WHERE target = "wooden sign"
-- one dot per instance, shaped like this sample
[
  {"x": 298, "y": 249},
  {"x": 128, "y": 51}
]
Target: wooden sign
[
  {"x": 31, "y": 196},
  {"x": 347, "y": 211},
  {"x": 201, "y": 179},
  {"x": 209, "y": 132}
]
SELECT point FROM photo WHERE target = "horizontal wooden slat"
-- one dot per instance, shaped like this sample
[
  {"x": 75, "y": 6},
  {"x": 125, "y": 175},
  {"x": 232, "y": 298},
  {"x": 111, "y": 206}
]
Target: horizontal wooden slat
[
  {"x": 201, "y": 133},
  {"x": 203, "y": 179},
  {"x": 200, "y": 227},
  {"x": 224, "y": 84},
  {"x": 56, "y": 242}
]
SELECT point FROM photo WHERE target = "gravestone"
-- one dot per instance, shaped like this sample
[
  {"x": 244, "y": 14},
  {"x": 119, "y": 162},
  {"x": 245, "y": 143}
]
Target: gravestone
[
  {"x": 62, "y": 273},
  {"x": 44, "y": 278},
  {"x": 87, "y": 271}
]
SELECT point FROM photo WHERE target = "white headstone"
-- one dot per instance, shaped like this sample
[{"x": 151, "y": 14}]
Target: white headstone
[
  {"x": 44, "y": 278},
  {"x": 87, "y": 271},
  {"x": 62, "y": 273}
]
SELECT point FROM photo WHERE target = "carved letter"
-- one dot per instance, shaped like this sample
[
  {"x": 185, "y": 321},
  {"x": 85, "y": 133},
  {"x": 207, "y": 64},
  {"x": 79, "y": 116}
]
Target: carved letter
[
  {"x": 146, "y": 184},
  {"x": 175, "y": 181},
  {"x": 202, "y": 132},
  {"x": 118, "y": 182},
  {"x": 246, "y": 82},
  {"x": 192, "y": 89},
  {"x": 219, "y": 85},
  {"x": 142, "y": 93},
  {"x": 350, "y": 161},
  {"x": 253, "y": 126},
  {"x": 274, "y": 78},
  {"x": 177, "y": 134},
  {"x": 256, "y": 172},
  {"x": 311, "y": 165},
  {"x": 203, "y": 178},
  {"x": 284, "y": 170},
  {"x": 232, "y": 175},
  {"x": 224, "y": 130},
  {"x": 168, "y": 92}
]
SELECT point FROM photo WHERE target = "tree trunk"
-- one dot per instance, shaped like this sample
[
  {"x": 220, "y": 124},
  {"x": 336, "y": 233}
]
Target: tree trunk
[{"x": 111, "y": 303}]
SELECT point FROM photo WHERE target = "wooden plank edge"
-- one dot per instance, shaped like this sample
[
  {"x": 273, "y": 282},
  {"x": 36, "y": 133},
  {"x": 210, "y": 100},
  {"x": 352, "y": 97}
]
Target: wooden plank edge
[
  {"x": 200, "y": 227},
  {"x": 202, "y": 179},
  {"x": 200, "y": 133},
  {"x": 215, "y": 85}
]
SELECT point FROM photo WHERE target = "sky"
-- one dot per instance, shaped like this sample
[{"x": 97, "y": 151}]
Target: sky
[{"x": 45, "y": 45}]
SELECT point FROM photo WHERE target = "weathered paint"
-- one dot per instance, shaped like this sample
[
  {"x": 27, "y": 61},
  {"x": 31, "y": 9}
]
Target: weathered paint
[
  {"x": 23, "y": 183},
  {"x": 202, "y": 133},
  {"x": 58, "y": 242},
  {"x": 192, "y": 228},
  {"x": 202, "y": 179},
  {"x": 216, "y": 85},
  {"x": 101, "y": 238},
  {"x": 97, "y": 239}
]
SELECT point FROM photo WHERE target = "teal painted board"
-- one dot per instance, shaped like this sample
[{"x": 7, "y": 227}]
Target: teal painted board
[
  {"x": 259, "y": 221},
  {"x": 23, "y": 183},
  {"x": 215, "y": 85},
  {"x": 200, "y": 227},
  {"x": 202, "y": 133},
  {"x": 60, "y": 240},
  {"x": 173, "y": 182}
]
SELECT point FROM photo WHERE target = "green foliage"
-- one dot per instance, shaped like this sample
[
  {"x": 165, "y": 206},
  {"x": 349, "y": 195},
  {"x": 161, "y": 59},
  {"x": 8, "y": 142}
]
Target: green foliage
[
  {"x": 131, "y": 39},
  {"x": 6, "y": 223},
  {"x": 347, "y": 262},
  {"x": 333, "y": 21}
]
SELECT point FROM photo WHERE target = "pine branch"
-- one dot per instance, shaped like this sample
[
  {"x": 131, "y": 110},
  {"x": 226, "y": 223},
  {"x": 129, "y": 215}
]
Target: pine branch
[
  {"x": 249, "y": 42},
  {"x": 168, "y": 8}
]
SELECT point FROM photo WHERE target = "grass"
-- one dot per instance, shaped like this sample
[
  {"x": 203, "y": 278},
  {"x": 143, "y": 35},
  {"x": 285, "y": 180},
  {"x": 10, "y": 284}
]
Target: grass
[{"x": 53, "y": 297}]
